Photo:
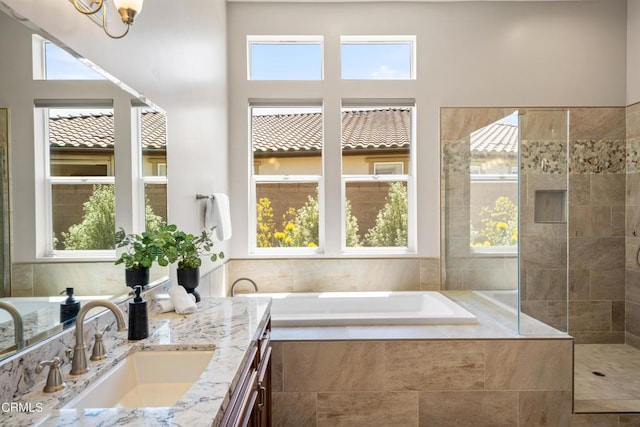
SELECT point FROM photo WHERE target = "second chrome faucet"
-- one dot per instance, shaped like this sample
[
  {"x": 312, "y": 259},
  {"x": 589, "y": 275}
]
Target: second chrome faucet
[{"x": 79, "y": 362}]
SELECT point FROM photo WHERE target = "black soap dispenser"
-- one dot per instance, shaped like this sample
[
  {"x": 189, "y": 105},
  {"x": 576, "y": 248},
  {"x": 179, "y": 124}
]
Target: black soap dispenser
[
  {"x": 69, "y": 307},
  {"x": 138, "y": 323}
]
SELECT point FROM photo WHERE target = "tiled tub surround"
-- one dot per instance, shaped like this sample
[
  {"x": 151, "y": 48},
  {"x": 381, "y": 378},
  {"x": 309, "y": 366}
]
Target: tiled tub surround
[
  {"x": 226, "y": 325},
  {"x": 447, "y": 375},
  {"x": 336, "y": 275}
]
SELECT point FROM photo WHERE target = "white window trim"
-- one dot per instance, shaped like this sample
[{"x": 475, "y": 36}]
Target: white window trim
[
  {"x": 390, "y": 39},
  {"x": 285, "y": 39}
]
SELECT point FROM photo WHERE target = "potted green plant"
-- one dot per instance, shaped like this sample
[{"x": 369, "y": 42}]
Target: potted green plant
[
  {"x": 141, "y": 252},
  {"x": 188, "y": 250}
]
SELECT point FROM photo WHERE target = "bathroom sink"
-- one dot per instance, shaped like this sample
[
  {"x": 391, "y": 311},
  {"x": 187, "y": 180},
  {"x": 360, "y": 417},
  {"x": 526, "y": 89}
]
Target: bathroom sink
[{"x": 145, "y": 379}]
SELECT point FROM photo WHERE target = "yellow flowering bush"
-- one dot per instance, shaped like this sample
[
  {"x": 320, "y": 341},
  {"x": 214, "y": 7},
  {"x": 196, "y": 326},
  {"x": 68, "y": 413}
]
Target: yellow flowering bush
[{"x": 500, "y": 224}]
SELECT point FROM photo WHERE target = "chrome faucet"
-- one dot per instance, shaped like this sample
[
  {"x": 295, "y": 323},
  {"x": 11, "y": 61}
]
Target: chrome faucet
[
  {"x": 233, "y": 285},
  {"x": 79, "y": 362},
  {"x": 17, "y": 324}
]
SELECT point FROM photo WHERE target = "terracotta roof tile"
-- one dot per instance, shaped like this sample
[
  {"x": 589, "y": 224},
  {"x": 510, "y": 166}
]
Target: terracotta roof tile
[
  {"x": 496, "y": 137},
  {"x": 388, "y": 128},
  {"x": 96, "y": 131}
]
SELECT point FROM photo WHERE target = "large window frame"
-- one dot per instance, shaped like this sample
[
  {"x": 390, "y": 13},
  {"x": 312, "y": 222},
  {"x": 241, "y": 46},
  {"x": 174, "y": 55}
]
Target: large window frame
[
  {"x": 407, "y": 177},
  {"x": 257, "y": 179},
  {"x": 49, "y": 182}
]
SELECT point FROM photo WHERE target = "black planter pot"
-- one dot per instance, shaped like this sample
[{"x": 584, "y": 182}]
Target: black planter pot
[
  {"x": 139, "y": 276},
  {"x": 189, "y": 278}
]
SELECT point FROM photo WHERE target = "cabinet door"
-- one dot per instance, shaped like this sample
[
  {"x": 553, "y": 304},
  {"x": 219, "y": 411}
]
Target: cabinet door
[{"x": 263, "y": 408}]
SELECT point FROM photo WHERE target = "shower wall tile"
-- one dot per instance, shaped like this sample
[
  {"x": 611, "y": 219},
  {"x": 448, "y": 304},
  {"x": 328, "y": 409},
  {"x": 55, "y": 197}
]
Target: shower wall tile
[
  {"x": 633, "y": 121},
  {"x": 374, "y": 409},
  {"x": 633, "y": 155},
  {"x": 633, "y": 189},
  {"x": 597, "y": 123},
  {"x": 618, "y": 316},
  {"x": 607, "y": 284},
  {"x": 579, "y": 284},
  {"x": 598, "y": 337},
  {"x": 597, "y": 253},
  {"x": 632, "y": 315},
  {"x": 293, "y": 409},
  {"x": 541, "y": 252},
  {"x": 579, "y": 189},
  {"x": 590, "y": 316},
  {"x": 632, "y": 286},
  {"x": 608, "y": 189},
  {"x": 460, "y": 408},
  {"x": 593, "y": 221},
  {"x": 548, "y": 284}
]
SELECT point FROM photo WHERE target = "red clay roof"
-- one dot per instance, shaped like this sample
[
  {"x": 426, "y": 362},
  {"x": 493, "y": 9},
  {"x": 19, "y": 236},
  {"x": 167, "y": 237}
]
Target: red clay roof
[
  {"x": 96, "y": 131},
  {"x": 302, "y": 132},
  {"x": 281, "y": 133}
]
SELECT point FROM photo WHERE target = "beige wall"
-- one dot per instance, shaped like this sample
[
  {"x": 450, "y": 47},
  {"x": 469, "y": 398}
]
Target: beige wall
[{"x": 632, "y": 228}]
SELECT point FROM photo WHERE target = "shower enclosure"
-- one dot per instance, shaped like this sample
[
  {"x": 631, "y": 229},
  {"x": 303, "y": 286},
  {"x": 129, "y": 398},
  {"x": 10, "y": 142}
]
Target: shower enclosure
[{"x": 533, "y": 217}]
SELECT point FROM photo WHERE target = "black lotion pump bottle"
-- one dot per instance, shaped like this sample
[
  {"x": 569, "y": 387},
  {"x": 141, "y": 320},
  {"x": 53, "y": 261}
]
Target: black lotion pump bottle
[
  {"x": 138, "y": 322},
  {"x": 69, "y": 307}
]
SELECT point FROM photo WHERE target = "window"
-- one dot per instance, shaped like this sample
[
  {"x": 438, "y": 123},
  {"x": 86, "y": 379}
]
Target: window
[
  {"x": 51, "y": 62},
  {"x": 80, "y": 178},
  {"x": 378, "y": 58},
  {"x": 287, "y": 144},
  {"x": 285, "y": 58},
  {"x": 376, "y": 205}
]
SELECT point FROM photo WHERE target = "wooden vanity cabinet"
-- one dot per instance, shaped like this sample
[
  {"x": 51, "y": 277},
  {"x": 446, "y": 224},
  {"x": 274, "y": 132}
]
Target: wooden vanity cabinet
[{"x": 250, "y": 402}]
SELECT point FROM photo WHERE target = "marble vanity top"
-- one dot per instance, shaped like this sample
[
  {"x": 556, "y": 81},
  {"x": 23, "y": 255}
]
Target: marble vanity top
[{"x": 228, "y": 325}]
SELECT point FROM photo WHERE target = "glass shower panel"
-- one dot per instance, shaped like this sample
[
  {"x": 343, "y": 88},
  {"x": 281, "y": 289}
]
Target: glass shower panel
[
  {"x": 543, "y": 254},
  {"x": 480, "y": 204}
]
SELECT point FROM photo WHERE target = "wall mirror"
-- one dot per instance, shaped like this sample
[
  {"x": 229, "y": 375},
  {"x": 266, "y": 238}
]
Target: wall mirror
[{"x": 55, "y": 116}]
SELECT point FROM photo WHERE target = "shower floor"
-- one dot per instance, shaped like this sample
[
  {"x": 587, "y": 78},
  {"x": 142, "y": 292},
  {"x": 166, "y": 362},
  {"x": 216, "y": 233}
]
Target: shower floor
[{"x": 618, "y": 390}]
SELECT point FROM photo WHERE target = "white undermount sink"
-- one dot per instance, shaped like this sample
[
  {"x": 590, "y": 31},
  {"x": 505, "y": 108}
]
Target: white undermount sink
[{"x": 145, "y": 379}]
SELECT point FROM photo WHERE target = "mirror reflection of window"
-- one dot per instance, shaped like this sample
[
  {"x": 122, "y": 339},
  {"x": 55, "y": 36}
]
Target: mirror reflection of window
[
  {"x": 153, "y": 144},
  {"x": 81, "y": 178},
  {"x": 494, "y": 186}
]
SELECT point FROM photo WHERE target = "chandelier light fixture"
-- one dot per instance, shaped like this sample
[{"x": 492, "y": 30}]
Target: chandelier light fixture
[{"x": 127, "y": 9}]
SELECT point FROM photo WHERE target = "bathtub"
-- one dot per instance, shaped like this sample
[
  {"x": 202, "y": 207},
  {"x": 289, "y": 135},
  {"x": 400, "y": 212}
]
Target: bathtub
[{"x": 364, "y": 308}]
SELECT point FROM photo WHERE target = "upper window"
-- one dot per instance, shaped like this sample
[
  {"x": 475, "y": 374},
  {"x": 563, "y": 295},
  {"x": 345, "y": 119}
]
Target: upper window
[
  {"x": 51, "y": 62},
  {"x": 378, "y": 58},
  {"x": 285, "y": 58}
]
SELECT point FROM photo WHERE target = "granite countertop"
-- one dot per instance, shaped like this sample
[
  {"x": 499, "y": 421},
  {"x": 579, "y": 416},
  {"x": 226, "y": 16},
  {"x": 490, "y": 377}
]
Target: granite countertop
[{"x": 227, "y": 325}]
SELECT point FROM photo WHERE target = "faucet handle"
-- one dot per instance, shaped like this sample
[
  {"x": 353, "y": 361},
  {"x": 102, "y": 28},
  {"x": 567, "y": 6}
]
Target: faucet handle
[
  {"x": 98, "y": 352},
  {"x": 55, "y": 379}
]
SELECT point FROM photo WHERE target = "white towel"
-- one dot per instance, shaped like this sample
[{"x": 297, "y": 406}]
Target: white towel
[
  {"x": 165, "y": 305},
  {"x": 222, "y": 216},
  {"x": 182, "y": 304},
  {"x": 208, "y": 214}
]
